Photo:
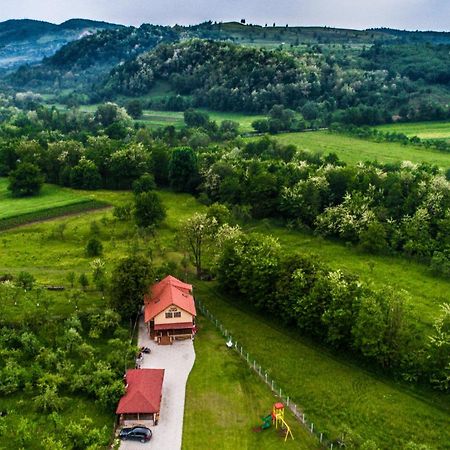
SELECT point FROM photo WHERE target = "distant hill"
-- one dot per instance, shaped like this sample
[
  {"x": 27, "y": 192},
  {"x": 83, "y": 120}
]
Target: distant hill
[
  {"x": 82, "y": 62},
  {"x": 29, "y": 41}
]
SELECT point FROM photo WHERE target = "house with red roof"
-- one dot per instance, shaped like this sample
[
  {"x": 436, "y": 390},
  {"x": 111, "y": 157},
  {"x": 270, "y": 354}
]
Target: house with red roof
[
  {"x": 142, "y": 398},
  {"x": 169, "y": 310}
]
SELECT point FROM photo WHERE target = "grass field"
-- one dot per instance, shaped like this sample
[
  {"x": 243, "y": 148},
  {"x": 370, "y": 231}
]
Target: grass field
[
  {"x": 335, "y": 394},
  {"x": 424, "y": 130},
  {"x": 155, "y": 119},
  {"x": 51, "y": 196},
  {"x": 225, "y": 401},
  {"x": 353, "y": 150}
]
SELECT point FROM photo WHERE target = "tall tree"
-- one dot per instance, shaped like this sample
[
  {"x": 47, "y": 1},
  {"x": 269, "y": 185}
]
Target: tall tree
[
  {"x": 148, "y": 209},
  {"x": 196, "y": 233},
  {"x": 183, "y": 170},
  {"x": 26, "y": 180},
  {"x": 129, "y": 282}
]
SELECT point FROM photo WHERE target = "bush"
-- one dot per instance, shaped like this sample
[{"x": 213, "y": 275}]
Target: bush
[
  {"x": 25, "y": 280},
  {"x": 145, "y": 183},
  {"x": 94, "y": 247},
  {"x": 26, "y": 180}
]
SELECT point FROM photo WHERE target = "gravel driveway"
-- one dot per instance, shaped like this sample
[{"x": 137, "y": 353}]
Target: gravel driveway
[{"x": 177, "y": 360}]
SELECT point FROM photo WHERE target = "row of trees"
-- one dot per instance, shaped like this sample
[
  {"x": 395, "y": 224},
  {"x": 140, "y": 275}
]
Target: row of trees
[
  {"x": 400, "y": 207},
  {"x": 334, "y": 307}
]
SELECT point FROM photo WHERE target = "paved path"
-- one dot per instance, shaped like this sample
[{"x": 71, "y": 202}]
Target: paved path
[{"x": 177, "y": 360}]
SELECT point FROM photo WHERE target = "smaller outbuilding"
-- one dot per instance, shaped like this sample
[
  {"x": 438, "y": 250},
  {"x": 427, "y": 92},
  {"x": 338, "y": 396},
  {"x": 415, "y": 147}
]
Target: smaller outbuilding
[{"x": 142, "y": 399}]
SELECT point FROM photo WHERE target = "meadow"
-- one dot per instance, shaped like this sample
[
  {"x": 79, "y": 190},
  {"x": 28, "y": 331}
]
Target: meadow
[
  {"x": 423, "y": 130},
  {"x": 426, "y": 291},
  {"x": 156, "y": 119},
  {"x": 353, "y": 150},
  {"x": 51, "y": 196}
]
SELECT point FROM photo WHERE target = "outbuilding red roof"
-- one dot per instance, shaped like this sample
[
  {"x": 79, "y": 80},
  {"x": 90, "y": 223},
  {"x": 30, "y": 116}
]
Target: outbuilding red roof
[
  {"x": 170, "y": 291},
  {"x": 143, "y": 394}
]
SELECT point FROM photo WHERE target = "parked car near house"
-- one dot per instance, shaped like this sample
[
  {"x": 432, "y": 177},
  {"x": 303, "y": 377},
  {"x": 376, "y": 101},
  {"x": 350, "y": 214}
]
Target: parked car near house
[{"x": 142, "y": 434}]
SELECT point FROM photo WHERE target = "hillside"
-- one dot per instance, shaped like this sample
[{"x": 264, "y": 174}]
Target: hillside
[
  {"x": 81, "y": 62},
  {"x": 116, "y": 45},
  {"x": 326, "y": 84},
  {"x": 29, "y": 41}
]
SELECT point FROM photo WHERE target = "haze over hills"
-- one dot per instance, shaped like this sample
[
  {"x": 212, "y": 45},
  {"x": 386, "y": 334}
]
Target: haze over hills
[{"x": 28, "y": 41}]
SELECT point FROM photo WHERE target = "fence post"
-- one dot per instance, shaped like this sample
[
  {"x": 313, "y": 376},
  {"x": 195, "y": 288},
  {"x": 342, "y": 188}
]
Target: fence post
[
  {"x": 312, "y": 427},
  {"x": 266, "y": 377},
  {"x": 303, "y": 418},
  {"x": 287, "y": 401},
  {"x": 280, "y": 392},
  {"x": 321, "y": 437},
  {"x": 254, "y": 365},
  {"x": 331, "y": 446},
  {"x": 271, "y": 385}
]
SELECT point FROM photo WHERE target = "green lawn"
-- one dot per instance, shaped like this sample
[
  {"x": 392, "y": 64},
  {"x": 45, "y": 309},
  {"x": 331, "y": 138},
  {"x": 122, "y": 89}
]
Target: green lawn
[
  {"x": 335, "y": 394},
  {"x": 353, "y": 150},
  {"x": 424, "y": 130},
  {"x": 51, "y": 196},
  {"x": 155, "y": 119},
  {"x": 225, "y": 400}
]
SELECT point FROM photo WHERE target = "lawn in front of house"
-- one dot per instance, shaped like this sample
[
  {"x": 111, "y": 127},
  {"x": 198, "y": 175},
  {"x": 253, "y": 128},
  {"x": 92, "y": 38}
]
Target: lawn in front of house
[{"x": 225, "y": 401}]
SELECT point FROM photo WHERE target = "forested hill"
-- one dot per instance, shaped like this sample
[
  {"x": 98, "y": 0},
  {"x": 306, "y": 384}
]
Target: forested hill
[
  {"x": 28, "y": 41},
  {"x": 79, "y": 63},
  {"x": 230, "y": 77}
]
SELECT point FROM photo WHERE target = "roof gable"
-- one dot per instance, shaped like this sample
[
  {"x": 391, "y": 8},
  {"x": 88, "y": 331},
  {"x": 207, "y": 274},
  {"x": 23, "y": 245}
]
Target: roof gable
[
  {"x": 143, "y": 395},
  {"x": 166, "y": 293}
]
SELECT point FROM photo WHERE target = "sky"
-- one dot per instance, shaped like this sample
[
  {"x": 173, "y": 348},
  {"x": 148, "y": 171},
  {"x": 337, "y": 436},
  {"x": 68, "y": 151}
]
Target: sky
[{"x": 359, "y": 14}]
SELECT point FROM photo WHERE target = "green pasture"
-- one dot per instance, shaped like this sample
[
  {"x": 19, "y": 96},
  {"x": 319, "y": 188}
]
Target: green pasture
[
  {"x": 156, "y": 119},
  {"x": 338, "y": 396},
  {"x": 424, "y": 130},
  {"x": 225, "y": 402},
  {"x": 352, "y": 150},
  {"x": 51, "y": 196}
]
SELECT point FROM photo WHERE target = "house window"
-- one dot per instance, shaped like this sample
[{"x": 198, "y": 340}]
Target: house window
[
  {"x": 169, "y": 315},
  {"x": 177, "y": 314}
]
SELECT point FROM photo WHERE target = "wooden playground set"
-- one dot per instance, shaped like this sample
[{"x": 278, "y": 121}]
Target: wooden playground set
[{"x": 276, "y": 418}]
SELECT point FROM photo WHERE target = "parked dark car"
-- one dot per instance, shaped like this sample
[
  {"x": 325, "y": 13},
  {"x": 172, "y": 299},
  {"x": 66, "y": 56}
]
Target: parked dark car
[{"x": 142, "y": 434}]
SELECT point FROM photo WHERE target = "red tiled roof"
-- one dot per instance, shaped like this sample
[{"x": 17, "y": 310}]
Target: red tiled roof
[
  {"x": 174, "y": 326},
  {"x": 157, "y": 288},
  {"x": 143, "y": 393},
  {"x": 168, "y": 292}
]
